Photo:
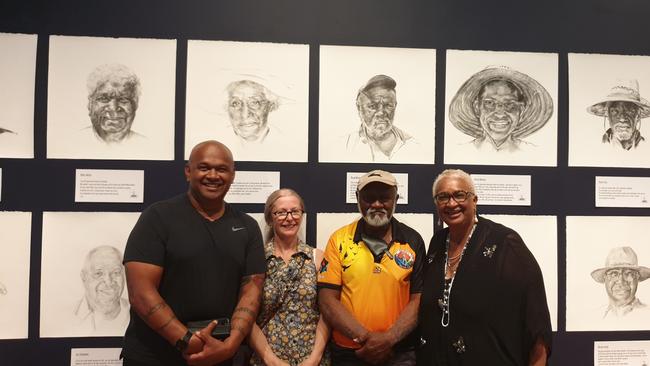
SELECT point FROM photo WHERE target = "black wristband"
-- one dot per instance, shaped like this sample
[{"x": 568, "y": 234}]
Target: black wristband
[{"x": 182, "y": 343}]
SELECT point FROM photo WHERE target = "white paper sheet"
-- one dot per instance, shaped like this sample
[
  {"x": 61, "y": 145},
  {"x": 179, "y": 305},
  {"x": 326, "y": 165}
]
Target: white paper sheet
[
  {"x": 622, "y": 353},
  {"x": 68, "y": 239},
  {"x": 109, "y": 185},
  {"x": 352, "y": 180},
  {"x": 253, "y": 186},
  {"x": 344, "y": 70},
  {"x": 95, "y": 357},
  {"x": 73, "y": 64},
  {"x": 15, "y": 240},
  {"x": 502, "y": 190},
  {"x": 622, "y": 191},
  {"x": 278, "y": 72},
  {"x": 538, "y": 148}
]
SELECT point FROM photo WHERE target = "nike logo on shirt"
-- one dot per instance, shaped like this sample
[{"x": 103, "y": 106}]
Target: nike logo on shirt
[{"x": 238, "y": 228}]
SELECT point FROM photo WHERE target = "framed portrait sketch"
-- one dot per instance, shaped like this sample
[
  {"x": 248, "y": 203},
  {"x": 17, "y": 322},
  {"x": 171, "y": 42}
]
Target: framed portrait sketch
[
  {"x": 253, "y": 97},
  {"x": 17, "y": 77},
  {"x": 608, "y": 108},
  {"x": 501, "y": 108},
  {"x": 83, "y": 285},
  {"x": 606, "y": 273},
  {"x": 15, "y": 242},
  {"x": 376, "y": 105},
  {"x": 111, "y": 98}
]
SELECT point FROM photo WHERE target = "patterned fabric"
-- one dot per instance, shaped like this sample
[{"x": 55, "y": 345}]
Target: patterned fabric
[{"x": 289, "y": 313}]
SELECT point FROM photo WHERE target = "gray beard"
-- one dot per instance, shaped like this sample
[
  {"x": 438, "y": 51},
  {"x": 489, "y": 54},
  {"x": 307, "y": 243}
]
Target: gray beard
[{"x": 377, "y": 221}]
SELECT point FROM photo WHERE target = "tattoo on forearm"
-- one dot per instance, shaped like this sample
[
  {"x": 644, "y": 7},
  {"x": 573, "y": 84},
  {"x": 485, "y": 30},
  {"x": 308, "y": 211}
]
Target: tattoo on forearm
[
  {"x": 240, "y": 329},
  {"x": 258, "y": 279},
  {"x": 155, "y": 308},
  {"x": 239, "y": 318},
  {"x": 166, "y": 323}
]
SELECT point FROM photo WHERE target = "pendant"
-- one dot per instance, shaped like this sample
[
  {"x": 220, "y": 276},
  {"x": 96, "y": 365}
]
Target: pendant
[{"x": 459, "y": 345}]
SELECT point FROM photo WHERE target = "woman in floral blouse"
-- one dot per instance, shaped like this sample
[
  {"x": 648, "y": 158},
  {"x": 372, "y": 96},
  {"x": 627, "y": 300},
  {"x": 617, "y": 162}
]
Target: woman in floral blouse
[{"x": 289, "y": 329}]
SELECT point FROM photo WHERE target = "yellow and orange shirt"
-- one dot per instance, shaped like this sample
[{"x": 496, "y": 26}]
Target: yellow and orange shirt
[{"x": 374, "y": 289}]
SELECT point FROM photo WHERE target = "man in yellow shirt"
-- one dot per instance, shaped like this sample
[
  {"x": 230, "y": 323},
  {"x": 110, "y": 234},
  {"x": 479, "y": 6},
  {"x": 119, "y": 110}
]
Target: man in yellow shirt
[{"x": 370, "y": 283}]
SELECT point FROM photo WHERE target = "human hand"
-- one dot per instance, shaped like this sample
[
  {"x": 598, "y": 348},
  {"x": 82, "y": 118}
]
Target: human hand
[
  {"x": 377, "y": 347},
  {"x": 214, "y": 351},
  {"x": 195, "y": 345}
]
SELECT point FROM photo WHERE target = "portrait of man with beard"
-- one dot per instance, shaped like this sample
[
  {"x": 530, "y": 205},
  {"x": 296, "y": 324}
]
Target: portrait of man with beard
[
  {"x": 623, "y": 108},
  {"x": 113, "y": 94},
  {"x": 377, "y": 136},
  {"x": 499, "y": 107},
  {"x": 102, "y": 307}
]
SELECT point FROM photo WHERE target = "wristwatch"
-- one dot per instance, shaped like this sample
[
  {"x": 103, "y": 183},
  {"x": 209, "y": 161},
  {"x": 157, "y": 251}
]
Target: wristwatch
[{"x": 182, "y": 343}]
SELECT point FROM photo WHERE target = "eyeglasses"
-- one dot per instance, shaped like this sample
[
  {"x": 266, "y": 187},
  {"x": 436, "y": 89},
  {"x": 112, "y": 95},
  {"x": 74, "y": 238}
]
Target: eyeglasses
[
  {"x": 282, "y": 215},
  {"x": 458, "y": 196},
  {"x": 508, "y": 106},
  {"x": 628, "y": 274}
]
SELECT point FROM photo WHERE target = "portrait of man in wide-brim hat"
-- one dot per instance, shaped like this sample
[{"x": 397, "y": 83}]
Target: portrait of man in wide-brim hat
[
  {"x": 621, "y": 276},
  {"x": 499, "y": 107},
  {"x": 624, "y": 108}
]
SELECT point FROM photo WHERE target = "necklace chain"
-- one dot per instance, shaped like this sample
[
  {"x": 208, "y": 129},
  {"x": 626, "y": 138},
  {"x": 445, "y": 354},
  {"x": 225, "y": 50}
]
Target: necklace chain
[{"x": 445, "y": 302}]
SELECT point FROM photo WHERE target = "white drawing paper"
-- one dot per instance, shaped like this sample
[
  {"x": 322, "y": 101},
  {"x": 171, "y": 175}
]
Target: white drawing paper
[
  {"x": 83, "y": 289},
  {"x": 17, "y": 77},
  {"x": 596, "y": 81},
  {"x": 15, "y": 240},
  {"x": 607, "y": 266},
  {"x": 392, "y": 90},
  {"x": 253, "y": 97},
  {"x": 111, "y": 98},
  {"x": 501, "y": 108}
]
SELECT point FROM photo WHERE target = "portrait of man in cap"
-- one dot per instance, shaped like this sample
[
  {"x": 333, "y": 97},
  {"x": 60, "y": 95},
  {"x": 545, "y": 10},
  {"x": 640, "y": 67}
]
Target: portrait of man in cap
[
  {"x": 377, "y": 136},
  {"x": 621, "y": 276},
  {"x": 499, "y": 107},
  {"x": 622, "y": 109}
]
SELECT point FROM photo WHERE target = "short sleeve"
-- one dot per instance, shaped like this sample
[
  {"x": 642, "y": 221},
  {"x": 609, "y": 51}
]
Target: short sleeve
[
  {"x": 255, "y": 261},
  {"x": 329, "y": 275},
  {"x": 146, "y": 242}
]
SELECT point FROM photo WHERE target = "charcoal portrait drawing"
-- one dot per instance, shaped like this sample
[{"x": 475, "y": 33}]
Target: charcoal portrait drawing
[
  {"x": 113, "y": 94},
  {"x": 102, "y": 308},
  {"x": 499, "y": 107},
  {"x": 621, "y": 276},
  {"x": 249, "y": 105},
  {"x": 376, "y": 136},
  {"x": 622, "y": 110}
]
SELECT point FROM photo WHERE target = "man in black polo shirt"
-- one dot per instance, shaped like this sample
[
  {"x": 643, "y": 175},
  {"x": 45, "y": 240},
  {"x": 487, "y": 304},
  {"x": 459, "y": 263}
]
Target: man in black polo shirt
[{"x": 193, "y": 258}]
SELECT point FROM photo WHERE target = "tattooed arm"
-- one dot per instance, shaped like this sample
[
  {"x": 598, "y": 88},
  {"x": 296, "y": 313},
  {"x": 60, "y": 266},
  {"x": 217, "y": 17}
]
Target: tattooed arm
[
  {"x": 142, "y": 280},
  {"x": 242, "y": 321}
]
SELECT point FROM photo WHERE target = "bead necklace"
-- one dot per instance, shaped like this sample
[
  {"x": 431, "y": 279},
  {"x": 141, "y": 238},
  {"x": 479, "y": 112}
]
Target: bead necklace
[{"x": 445, "y": 302}]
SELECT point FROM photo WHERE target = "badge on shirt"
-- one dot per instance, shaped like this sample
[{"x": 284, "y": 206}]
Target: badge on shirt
[
  {"x": 489, "y": 250},
  {"x": 323, "y": 265},
  {"x": 404, "y": 259},
  {"x": 377, "y": 269}
]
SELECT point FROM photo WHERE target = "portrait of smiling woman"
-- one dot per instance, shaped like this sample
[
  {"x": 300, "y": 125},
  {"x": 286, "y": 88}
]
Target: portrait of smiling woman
[
  {"x": 483, "y": 301},
  {"x": 289, "y": 329}
]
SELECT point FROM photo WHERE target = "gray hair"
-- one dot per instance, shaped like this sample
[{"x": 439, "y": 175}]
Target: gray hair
[
  {"x": 455, "y": 173},
  {"x": 114, "y": 73},
  {"x": 268, "y": 206},
  {"x": 100, "y": 249}
]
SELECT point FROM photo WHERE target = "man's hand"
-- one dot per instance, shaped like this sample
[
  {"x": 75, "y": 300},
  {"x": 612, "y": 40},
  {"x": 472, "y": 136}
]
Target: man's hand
[
  {"x": 377, "y": 347},
  {"x": 213, "y": 352}
]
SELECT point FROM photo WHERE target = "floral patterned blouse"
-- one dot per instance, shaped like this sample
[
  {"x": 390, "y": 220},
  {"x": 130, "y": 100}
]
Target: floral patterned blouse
[{"x": 289, "y": 313}]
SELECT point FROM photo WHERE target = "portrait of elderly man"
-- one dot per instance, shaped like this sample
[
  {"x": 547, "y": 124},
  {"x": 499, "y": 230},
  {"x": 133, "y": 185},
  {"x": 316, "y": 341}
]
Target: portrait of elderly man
[
  {"x": 623, "y": 108},
  {"x": 377, "y": 137},
  {"x": 499, "y": 107},
  {"x": 249, "y": 105},
  {"x": 113, "y": 94},
  {"x": 102, "y": 307},
  {"x": 621, "y": 276}
]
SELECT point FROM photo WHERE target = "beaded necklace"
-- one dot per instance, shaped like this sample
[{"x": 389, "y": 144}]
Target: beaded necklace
[{"x": 445, "y": 302}]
